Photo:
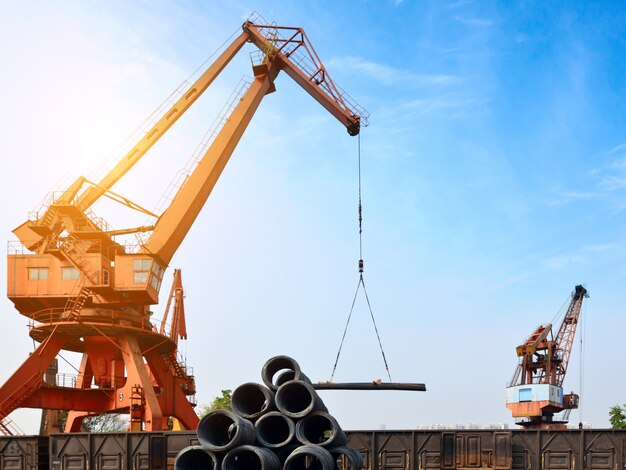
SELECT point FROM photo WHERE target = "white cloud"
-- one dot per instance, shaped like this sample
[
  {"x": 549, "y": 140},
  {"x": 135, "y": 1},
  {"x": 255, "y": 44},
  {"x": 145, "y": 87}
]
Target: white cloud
[
  {"x": 389, "y": 75},
  {"x": 451, "y": 106},
  {"x": 617, "y": 149},
  {"x": 559, "y": 263},
  {"x": 458, "y": 4},
  {"x": 572, "y": 196},
  {"x": 479, "y": 22}
]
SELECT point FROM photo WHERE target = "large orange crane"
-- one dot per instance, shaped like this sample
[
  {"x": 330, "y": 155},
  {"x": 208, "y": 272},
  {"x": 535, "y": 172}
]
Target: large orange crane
[
  {"x": 85, "y": 291},
  {"x": 535, "y": 392}
]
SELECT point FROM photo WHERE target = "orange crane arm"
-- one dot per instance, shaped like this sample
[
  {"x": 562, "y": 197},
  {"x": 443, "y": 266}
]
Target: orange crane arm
[
  {"x": 173, "y": 225},
  {"x": 291, "y": 52},
  {"x": 92, "y": 194},
  {"x": 308, "y": 72},
  {"x": 175, "y": 222},
  {"x": 32, "y": 237},
  {"x": 297, "y": 57}
]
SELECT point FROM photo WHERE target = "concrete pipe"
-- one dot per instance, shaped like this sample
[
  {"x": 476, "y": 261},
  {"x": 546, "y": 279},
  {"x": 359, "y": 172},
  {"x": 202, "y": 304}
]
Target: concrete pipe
[
  {"x": 310, "y": 457},
  {"x": 252, "y": 400},
  {"x": 321, "y": 429},
  {"x": 275, "y": 430},
  {"x": 196, "y": 458},
  {"x": 347, "y": 458},
  {"x": 251, "y": 458},
  {"x": 297, "y": 399},
  {"x": 275, "y": 365},
  {"x": 221, "y": 431}
]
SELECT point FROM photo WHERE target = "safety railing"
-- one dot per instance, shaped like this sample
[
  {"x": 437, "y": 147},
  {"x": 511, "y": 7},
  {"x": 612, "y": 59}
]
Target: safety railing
[
  {"x": 95, "y": 382},
  {"x": 100, "y": 317},
  {"x": 46, "y": 202},
  {"x": 16, "y": 247}
]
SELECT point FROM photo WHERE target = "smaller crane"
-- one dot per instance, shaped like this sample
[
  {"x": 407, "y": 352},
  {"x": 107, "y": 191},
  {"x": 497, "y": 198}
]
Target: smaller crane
[{"x": 535, "y": 392}]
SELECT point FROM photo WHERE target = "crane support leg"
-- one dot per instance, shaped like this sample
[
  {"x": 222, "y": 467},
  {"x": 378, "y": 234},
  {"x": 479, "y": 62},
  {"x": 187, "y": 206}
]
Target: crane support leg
[
  {"x": 173, "y": 401},
  {"x": 28, "y": 378},
  {"x": 74, "y": 421},
  {"x": 138, "y": 376}
]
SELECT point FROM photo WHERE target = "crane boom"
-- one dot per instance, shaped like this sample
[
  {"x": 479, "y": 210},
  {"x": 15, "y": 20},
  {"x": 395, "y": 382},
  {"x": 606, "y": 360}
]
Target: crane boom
[
  {"x": 565, "y": 337},
  {"x": 30, "y": 232},
  {"x": 151, "y": 137},
  {"x": 291, "y": 52},
  {"x": 175, "y": 222},
  {"x": 307, "y": 70},
  {"x": 277, "y": 54}
]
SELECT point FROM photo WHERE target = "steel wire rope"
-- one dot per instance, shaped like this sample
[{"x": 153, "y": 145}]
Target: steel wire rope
[
  {"x": 361, "y": 282},
  {"x": 561, "y": 310},
  {"x": 581, "y": 378},
  {"x": 69, "y": 364},
  {"x": 214, "y": 53}
]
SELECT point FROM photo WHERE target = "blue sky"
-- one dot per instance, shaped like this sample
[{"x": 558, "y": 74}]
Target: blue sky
[{"x": 494, "y": 176}]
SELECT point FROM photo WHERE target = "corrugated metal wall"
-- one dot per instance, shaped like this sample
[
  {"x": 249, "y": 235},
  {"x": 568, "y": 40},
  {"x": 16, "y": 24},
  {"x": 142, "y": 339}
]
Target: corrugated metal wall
[
  {"x": 498, "y": 450},
  {"x": 382, "y": 450},
  {"x": 24, "y": 453}
]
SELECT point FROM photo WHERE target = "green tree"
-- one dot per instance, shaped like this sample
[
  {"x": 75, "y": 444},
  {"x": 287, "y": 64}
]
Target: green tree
[
  {"x": 108, "y": 422},
  {"x": 617, "y": 417},
  {"x": 219, "y": 403}
]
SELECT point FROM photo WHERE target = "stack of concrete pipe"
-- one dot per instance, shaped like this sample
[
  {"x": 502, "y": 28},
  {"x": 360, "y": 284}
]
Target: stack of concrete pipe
[{"x": 280, "y": 425}]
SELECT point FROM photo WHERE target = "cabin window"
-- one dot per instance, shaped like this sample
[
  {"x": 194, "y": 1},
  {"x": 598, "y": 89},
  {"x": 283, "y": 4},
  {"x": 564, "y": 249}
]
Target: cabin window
[
  {"x": 141, "y": 269},
  {"x": 37, "y": 274},
  {"x": 525, "y": 394},
  {"x": 157, "y": 276},
  {"x": 69, "y": 273}
]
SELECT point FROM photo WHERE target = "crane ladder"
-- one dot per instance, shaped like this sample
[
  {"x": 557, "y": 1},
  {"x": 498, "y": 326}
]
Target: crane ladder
[
  {"x": 78, "y": 259},
  {"x": 75, "y": 304},
  {"x": 7, "y": 427}
]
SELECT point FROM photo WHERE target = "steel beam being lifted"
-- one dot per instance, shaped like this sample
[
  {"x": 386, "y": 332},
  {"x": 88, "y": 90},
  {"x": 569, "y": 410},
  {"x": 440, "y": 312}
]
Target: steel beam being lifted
[{"x": 397, "y": 386}]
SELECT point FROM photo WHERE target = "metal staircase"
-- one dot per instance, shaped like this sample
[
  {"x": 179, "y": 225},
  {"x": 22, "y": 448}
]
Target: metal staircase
[
  {"x": 69, "y": 246},
  {"x": 75, "y": 304},
  {"x": 181, "y": 371},
  {"x": 8, "y": 427}
]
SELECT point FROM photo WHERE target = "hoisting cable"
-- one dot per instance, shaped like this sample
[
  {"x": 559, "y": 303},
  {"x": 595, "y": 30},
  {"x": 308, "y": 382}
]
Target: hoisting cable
[
  {"x": 581, "y": 378},
  {"x": 360, "y": 283}
]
